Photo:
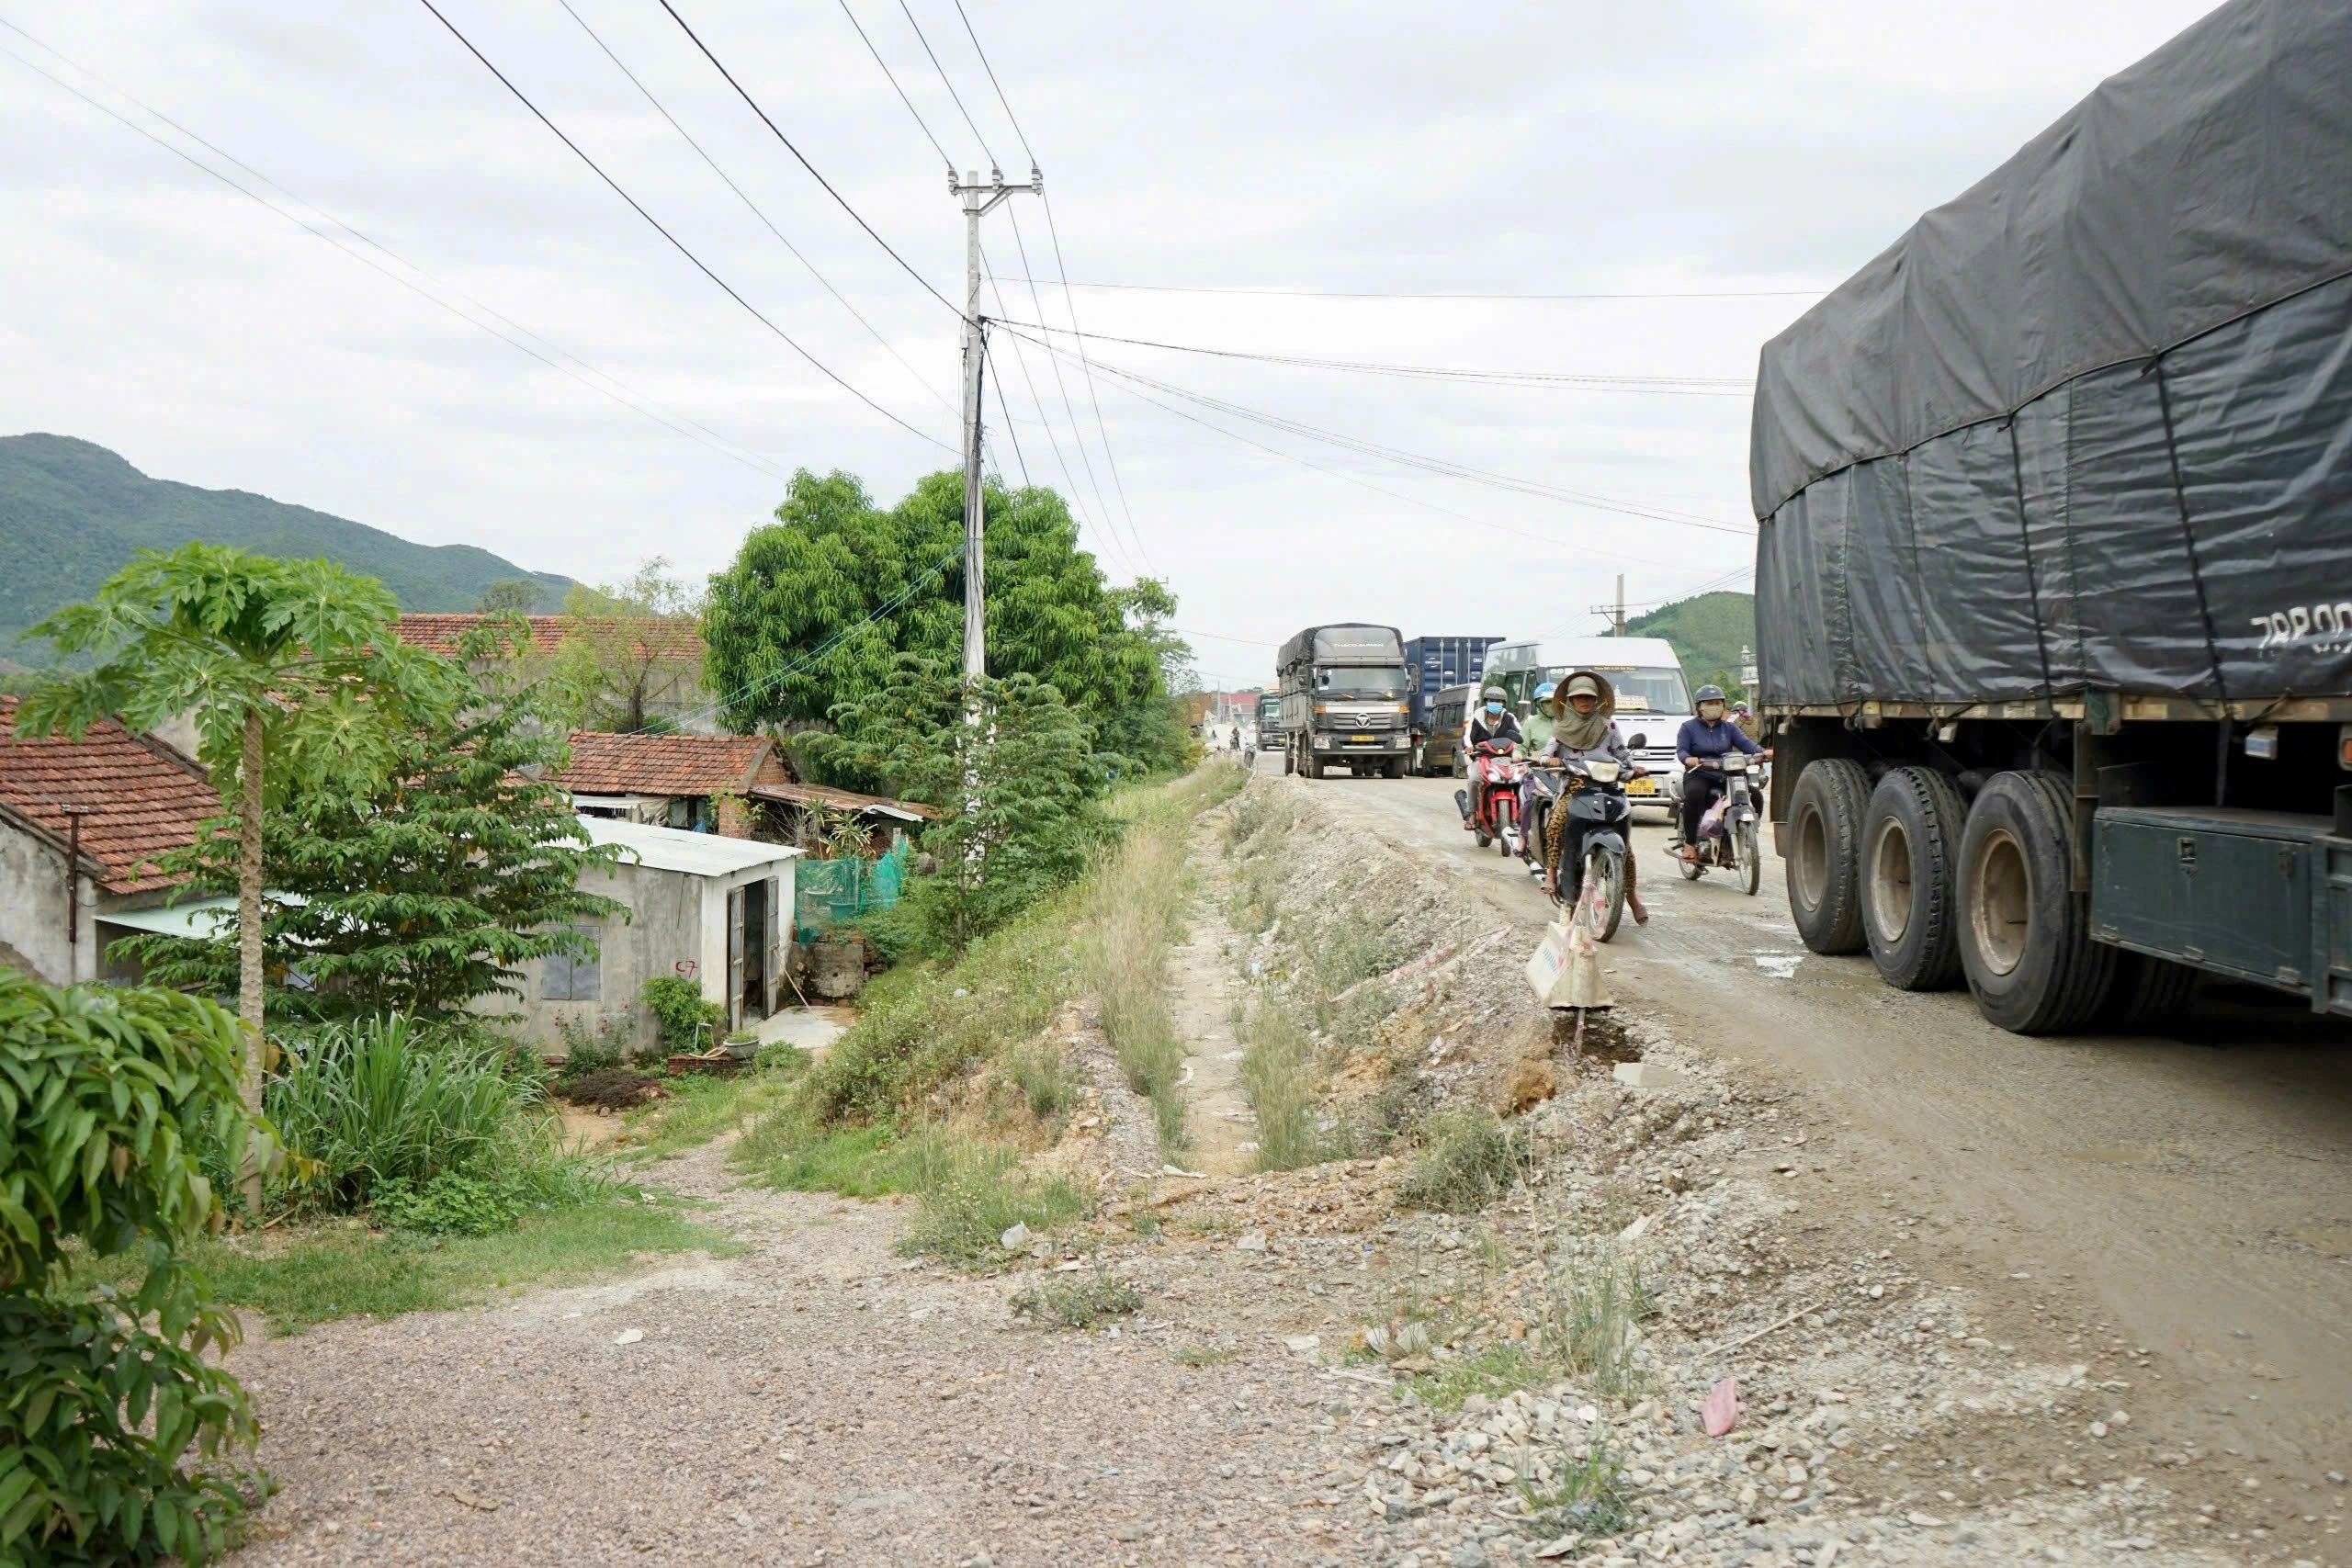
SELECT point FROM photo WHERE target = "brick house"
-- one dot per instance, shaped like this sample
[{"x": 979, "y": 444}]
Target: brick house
[
  {"x": 106, "y": 805},
  {"x": 701, "y": 782}
]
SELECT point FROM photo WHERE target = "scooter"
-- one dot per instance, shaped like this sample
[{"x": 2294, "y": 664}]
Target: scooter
[
  {"x": 1727, "y": 833},
  {"x": 1490, "y": 806},
  {"x": 1592, "y": 839}
]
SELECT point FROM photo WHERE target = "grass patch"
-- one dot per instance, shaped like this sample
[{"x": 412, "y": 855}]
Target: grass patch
[
  {"x": 1584, "y": 1493},
  {"x": 1498, "y": 1369},
  {"x": 1198, "y": 1355},
  {"x": 1077, "y": 1300},
  {"x": 700, "y": 1107},
  {"x": 971, "y": 1194},
  {"x": 791, "y": 1151},
  {"x": 1041, "y": 1073},
  {"x": 337, "y": 1272},
  {"x": 1471, "y": 1159},
  {"x": 1595, "y": 1301},
  {"x": 1134, "y": 912},
  {"x": 1279, "y": 1076}
]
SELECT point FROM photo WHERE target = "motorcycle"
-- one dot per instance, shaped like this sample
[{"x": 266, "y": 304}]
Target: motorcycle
[
  {"x": 1591, "y": 844},
  {"x": 1727, "y": 833},
  {"x": 1490, "y": 806}
]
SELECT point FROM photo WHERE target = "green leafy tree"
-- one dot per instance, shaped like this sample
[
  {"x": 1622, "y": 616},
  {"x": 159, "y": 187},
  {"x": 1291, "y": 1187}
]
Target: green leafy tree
[
  {"x": 111, "y": 1421},
  {"x": 818, "y": 605},
  {"x": 623, "y": 656},
  {"x": 290, "y": 669},
  {"x": 1008, "y": 763},
  {"x": 426, "y": 891},
  {"x": 510, "y": 596}
]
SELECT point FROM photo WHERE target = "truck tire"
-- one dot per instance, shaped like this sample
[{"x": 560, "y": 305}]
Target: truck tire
[
  {"x": 1290, "y": 761},
  {"x": 1825, "y": 861},
  {"x": 2149, "y": 993},
  {"x": 1910, "y": 879},
  {"x": 2025, "y": 940}
]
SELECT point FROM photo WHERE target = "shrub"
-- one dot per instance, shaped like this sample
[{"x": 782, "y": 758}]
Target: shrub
[
  {"x": 1079, "y": 1302},
  {"x": 1472, "y": 1160},
  {"x": 1043, "y": 1076},
  {"x": 589, "y": 1050},
  {"x": 111, "y": 1424},
  {"x": 1279, "y": 1076},
  {"x": 452, "y": 1203},
  {"x": 677, "y": 1006}
]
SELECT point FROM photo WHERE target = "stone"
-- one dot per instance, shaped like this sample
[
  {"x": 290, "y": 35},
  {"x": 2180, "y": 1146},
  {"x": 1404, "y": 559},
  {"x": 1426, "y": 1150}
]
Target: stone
[
  {"x": 1469, "y": 1554},
  {"x": 1921, "y": 1521},
  {"x": 629, "y": 1336},
  {"x": 1015, "y": 1236},
  {"x": 1251, "y": 1241},
  {"x": 1650, "y": 1075},
  {"x": 1302, "y": 1344}
]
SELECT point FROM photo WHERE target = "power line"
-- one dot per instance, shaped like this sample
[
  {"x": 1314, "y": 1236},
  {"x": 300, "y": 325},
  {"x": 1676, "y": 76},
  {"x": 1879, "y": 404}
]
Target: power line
[
  {"x": 743, "y": 196},
  {"x": 780, "y": 136},
  {"x": 627, "y": 397},
  {"x": 1053, "y": 232},
  {"x": 1006, "y": 410},
  {"x": 1077, "y": 431},
  {"x": 1020, "y": 135},
  {"x": 1714, "y": 385},
  {"x": 945, "y": 82},
  {"x": 1397, "y": 294},
  {"x": 679, "y": 244},
  {"x": 893, "y": 79},
  {"x": 1418, "y": 460}
]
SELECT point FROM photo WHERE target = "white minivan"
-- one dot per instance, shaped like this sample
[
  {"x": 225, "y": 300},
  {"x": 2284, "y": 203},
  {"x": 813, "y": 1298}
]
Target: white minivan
[{"x": 1653, "y": 699}]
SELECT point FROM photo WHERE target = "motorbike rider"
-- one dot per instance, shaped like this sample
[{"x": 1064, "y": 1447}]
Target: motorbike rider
[
  {"x": 1700, "y": 743},
  {"x": 1584, "y": 726},
  {"x": 1490, "y": 722}
]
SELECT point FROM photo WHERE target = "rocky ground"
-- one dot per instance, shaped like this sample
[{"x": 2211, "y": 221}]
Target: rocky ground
[{"x": 1285, "y": 1394}]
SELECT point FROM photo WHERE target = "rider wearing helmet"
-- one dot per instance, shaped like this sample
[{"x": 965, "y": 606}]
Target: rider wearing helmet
[
  {"x": 1583, "y": 710},
  {"x": 1490, "y": 722},
  {"x": 1701, "y": 744}
]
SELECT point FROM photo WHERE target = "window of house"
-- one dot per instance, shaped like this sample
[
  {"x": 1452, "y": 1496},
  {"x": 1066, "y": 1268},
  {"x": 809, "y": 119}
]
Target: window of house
[{"x": 572, "y": 977}]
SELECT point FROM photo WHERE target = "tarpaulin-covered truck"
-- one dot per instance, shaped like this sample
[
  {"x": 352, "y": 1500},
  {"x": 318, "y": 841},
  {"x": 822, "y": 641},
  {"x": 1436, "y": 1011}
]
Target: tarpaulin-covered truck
[{"x": 2054, "y": 568}]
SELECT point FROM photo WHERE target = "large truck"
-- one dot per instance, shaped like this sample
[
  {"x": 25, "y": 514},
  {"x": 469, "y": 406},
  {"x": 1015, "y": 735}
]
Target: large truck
[
  {"x": 1439, "y": 664},
  {"x": 2054, "y": 565},
  {"x": 1346, "y": 701},
  {"x": 1270, "y": 721}
]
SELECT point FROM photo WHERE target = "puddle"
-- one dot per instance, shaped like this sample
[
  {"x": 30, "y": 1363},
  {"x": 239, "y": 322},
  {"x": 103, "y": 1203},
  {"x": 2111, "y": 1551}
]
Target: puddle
[{"x": 1779, "y": 965}]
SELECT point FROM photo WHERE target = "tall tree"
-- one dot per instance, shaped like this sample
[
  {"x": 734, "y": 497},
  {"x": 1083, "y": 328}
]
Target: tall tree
[
  {"x": 630, "y": 648},
  {"x": 818, "y": 605},
  {"x": 425, "y": 893},
  {"x": 290, "y": 669}
]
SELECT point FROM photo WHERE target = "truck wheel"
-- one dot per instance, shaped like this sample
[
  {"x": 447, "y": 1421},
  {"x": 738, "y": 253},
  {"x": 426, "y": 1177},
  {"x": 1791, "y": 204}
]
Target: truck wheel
[
  {"x": 1825, "y": 864},
  {"x": 2149, "y": 993},
  {"x": 2025, "y": 940},
  {"x": 1910, "y": 843},
  {"x": 1290, "y": 761}
]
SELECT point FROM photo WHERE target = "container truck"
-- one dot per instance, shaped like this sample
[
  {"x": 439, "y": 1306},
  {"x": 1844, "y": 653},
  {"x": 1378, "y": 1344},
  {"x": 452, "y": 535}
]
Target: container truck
[
  {"x": 1346, "y": 701},
  {"x": 1438, "y": 663},
  {"x": 2054, "y": 563}
]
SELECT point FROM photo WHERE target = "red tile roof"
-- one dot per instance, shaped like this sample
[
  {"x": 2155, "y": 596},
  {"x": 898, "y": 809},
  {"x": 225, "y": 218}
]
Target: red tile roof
[
  {"x": 145, "y": 797},
  {"x": 671, "y": 637},
  {"x": 605, "y": 764}
]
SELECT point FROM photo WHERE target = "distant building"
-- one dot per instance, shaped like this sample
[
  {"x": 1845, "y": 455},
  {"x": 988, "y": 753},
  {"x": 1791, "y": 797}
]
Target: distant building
[
  {"x": 107, "y": 805},
  {"x": 651, "y": 663},
  {"x": 697, "y": 782}
]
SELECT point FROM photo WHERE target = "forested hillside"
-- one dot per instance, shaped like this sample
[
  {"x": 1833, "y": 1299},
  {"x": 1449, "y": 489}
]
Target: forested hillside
[
  {"x": 72, "y": 511},
  {"x": 1707, "y": 632}
]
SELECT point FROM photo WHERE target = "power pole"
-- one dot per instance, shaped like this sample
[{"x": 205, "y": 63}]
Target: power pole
[
  {"x": 979, "y": 199},
  {"x": 1620, "y": 604}
]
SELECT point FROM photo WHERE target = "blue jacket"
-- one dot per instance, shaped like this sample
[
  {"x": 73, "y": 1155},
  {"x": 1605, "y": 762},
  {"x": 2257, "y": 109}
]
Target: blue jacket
[{"x": 1697, "y": 737}]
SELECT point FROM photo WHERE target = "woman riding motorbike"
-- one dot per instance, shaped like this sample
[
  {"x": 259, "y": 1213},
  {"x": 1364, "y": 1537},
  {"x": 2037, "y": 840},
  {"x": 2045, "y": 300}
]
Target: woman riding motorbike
[
  {"x": 1701, "y": 744},
  {"x": 1491, "y": 721},
  {"x": 1583, "y": 727}
]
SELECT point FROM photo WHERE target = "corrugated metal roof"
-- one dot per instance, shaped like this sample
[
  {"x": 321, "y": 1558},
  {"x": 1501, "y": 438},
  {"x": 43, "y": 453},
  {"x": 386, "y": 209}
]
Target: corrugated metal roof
[{"x": 674, "y": 848}]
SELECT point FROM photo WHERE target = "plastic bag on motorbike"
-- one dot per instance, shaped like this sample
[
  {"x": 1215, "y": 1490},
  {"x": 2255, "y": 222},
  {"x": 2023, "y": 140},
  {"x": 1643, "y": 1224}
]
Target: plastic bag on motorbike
[{"x": 1711, "y": 826}]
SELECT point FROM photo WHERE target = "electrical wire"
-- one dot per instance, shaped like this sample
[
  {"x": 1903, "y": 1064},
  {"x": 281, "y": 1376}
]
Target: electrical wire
[
  {"x": 950, "y": 85},
  {"x": 1709, "y": 386},
  {"x": 1418, "y": 460},
  {"x": 842, "y": 200},
  {"x": 1085, "y": 363},
  {"x": 892, "y": 77},
  {"x": 678, "y": 244},
  {"x": 1078, "y": 431},
  {"x": 1393, "y": 294},
  {"x": 744, "y": 197},
  {"x": 1005, "y": 409},
  {"x": 626, "y": 396}
]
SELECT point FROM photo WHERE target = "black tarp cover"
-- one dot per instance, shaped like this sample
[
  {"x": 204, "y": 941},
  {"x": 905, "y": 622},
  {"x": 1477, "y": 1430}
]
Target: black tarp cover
[{"x": 2089, "y": 424}]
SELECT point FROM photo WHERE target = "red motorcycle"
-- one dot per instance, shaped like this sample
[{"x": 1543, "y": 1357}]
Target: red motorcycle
[{"x": 1490, "y": 806}]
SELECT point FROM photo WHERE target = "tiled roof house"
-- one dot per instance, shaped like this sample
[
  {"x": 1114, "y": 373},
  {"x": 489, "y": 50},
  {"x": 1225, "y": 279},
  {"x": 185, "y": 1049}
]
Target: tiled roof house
[
  {"x": 671, "y": 637},
  {"x": 137, "y": 799},
  {"x": 673, "y": 781}
]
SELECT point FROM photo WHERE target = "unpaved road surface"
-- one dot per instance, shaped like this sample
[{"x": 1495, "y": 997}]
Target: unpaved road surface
[{"x": 2189, "y": 1197}]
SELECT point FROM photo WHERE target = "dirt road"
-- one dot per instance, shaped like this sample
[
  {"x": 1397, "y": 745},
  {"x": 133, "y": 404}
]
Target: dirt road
[{"x": 2190, "y": 1195}]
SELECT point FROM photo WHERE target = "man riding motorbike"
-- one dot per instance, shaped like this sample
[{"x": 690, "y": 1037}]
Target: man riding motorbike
[
  {"x": 1701, "y": 744},
  {"x": 1491, "y": 722},
  {"x": 1583, "y": 727}
]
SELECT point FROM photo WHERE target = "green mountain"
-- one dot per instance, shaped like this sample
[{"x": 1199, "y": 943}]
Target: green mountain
[
  {"x": 1707, "y": 632},
  {"x": 73, "y": 512}
]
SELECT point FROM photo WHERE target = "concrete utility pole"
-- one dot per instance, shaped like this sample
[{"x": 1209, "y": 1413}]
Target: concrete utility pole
[
  {"x": 1620, "y": 604},
  {"x": 979, "y": 199}
]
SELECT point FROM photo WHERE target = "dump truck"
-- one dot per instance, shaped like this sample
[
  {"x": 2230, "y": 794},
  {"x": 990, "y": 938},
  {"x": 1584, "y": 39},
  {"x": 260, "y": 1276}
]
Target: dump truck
[
  {"x": 1346, "y": 701},
  {"x": 2055, "y": 557}
]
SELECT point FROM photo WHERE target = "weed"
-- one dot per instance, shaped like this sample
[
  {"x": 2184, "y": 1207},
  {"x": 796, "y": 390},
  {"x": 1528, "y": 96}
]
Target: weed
[
  {"x": 590, "y": 1048},
  {"x": 1372, "y": 1126},
  {"x": 1197, "y": 1356},
  {"x": 1582, "y": 1492},
  {"x": 1595, "y": 1301},
  {"x": 792, "y": 1150},
  {"x": 1500, "y": 1368},
  {"x": 1279, "y": 1075},
  {"x": 1472, "y": 1160},
  {"x": 1351, "y": 946},
  {"x": 1134, "y": 912},
  {"x": 701, "y": 1107},
  {"x": 971, "y": 1194},
  {"x": 1078, "y": 1300},
  {"x": 1049, "y": 1085}
]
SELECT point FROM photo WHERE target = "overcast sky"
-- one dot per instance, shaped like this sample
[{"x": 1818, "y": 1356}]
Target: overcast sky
[{"x": 1720, "y": 149}]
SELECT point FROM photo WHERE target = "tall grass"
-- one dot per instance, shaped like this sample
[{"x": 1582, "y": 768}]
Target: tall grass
[
  {"x": 1280, "y": 1077},
  {"x": 1135, "y": 912},
  {"x": 1594, "y": 1302}
]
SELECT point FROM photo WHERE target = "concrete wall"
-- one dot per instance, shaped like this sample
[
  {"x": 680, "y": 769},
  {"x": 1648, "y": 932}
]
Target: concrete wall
[
  {"x": 33, "y": 910},
  {"x": 662, "y": 930}
]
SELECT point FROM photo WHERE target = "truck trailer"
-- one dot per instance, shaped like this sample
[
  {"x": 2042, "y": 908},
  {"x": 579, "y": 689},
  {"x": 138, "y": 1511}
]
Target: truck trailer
[
  {"x": 2054, "y": 562},
  {"x": 1346, "y": 701},
  {"x": 1439, "y": 664}
]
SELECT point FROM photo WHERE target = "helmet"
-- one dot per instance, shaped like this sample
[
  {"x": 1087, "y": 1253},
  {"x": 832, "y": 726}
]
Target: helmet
[
  {"x": 1543, "y": 692},
  {"x": 1739, "y": 707},
  {"x": 1709, "y": 695},
  {"x": 1492, "y": 695},
  {"x": 1582, "y": 686}
]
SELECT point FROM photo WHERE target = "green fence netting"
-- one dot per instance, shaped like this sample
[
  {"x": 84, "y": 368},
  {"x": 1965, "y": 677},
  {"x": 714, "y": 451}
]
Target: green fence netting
[{"x": 831, "y": 891}]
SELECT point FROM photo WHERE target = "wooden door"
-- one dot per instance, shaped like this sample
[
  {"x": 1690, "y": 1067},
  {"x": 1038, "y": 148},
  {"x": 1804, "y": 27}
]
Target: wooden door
[
  {"x": 735, "y": 957},
  {"x": 777, "y": 915}
]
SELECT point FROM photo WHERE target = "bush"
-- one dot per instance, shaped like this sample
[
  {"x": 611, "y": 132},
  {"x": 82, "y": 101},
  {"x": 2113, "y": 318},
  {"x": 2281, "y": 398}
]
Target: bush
[
  {"x": 1080, "y": 1301},
  {"x": 677, "y": 1006},
  {"x": 1472, "y": 1160},
  {"x": 588, "y": 1051},
  {"x": 111, "y": 1423},
  {"x": 452, "y": 1203},
  {"x": 1279, "y": 1076}
]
